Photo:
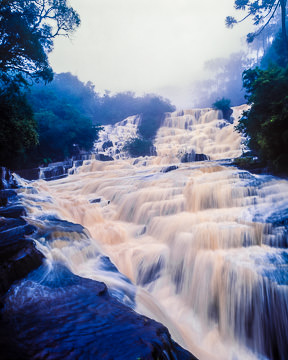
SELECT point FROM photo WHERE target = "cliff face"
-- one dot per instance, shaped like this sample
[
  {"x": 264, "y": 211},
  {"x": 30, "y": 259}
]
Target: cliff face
[{"x": 54, "y": 314}]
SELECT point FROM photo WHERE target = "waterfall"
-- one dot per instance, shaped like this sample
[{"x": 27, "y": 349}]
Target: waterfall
[{"x": 201, "y": 248}]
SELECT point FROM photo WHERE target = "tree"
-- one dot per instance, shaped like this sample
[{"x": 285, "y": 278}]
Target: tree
[
  {"x": 27, "y": 31},
  {"x": 61, "y": 121},
  {"x": 17, "y": 126},
  {"x": 262, "y": 12},
  {"x": 266, "y": 123},
  {"x": 225, "y": 106}
]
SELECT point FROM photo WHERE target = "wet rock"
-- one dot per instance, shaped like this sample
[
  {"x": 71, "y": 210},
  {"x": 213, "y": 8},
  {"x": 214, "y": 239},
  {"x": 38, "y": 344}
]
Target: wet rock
[
  {"x": 95, "y": 201},
  {"x": 6, "y": 224},
  {"x": 100, "y": 200},
  {"x": 102, "y": 157},
  {"x": 6, "y": 195},
  {"x": 227, "y": 115},
  {"x": 169, "y": 168},
  {"x": 14, "y": 211},
  {"x": 17, "y": 259},
  {"x": 107, "y": 144},
  {"x": 7, "y": 180},
  {"x": 192, "y": 156},
  {"x": 56, "y": 171},
  {"x": 29, "y": 174},
  {"x": 76, "y": 318},
  {"x": 18, "y": 255}
]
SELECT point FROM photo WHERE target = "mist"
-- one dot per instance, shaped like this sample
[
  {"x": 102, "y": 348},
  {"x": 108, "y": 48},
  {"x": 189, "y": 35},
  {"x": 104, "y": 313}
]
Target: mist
[{"x": 148, "y": 46}]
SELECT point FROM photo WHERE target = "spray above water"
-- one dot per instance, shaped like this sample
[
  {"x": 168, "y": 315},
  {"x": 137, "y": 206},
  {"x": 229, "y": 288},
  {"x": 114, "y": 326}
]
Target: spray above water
[{"x": 199, "y": 246}]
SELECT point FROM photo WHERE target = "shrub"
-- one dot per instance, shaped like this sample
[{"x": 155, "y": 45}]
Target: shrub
[{"x": 139, "y": 147}]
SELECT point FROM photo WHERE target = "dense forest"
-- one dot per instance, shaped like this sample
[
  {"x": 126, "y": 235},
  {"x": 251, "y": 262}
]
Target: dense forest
[
  {"x": 72, "y": 111},
  {"x": 46, "y": 116},
  {"x": 265, "y": 124}
]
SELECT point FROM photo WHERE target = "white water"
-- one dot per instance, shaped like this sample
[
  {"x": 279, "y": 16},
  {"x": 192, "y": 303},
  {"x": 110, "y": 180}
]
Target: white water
[{"x": 194, "y": 240}]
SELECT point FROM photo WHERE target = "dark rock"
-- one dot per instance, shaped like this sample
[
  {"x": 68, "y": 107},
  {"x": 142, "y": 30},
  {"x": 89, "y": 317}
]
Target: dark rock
[
  {"x": 76, "y": 318},
  {"x": 169, "y": 168},
  {"x": 6, "y": 224},
  {"x": 192, "y": 156},
  {"x": 201, "y": 157},
  {"x": 29, "y": 174},
  {"x": 7, "y": 180},
  {"x": 18, "y": 255},
  {"x": 153, "y": 151},
  {"x": 14, "y": 211},
  {"x": 17, "y": 260},
  {"x": 227, "y": 114},
  {"x": 16, "y": 232},
  {"x": 6, "y": 195},
  {"x": 56, "y": 171},
  {"x": 94, "y": 201},
  {"x": 107, "y": 144},
  {"x": 102, "y": 157}
]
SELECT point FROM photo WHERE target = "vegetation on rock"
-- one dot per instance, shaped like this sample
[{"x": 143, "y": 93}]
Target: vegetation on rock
[{"x": 266, "y": 123}]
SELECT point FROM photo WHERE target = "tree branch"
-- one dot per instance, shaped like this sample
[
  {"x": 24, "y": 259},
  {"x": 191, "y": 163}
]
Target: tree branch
[{"x": 267, "y": 22}]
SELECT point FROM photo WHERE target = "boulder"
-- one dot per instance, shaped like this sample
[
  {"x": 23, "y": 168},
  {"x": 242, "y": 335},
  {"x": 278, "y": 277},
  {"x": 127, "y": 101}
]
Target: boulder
[
  {"x": 107, "y": 144},
  {"x": 192, "y": 156},
  {"x": 102, "y": 157},
  {"x": 7, "y": 180},
  {"x": 169, "y": 168},
  {"x": 76, "y": 318},
  {"x": 6, "y": 195}
]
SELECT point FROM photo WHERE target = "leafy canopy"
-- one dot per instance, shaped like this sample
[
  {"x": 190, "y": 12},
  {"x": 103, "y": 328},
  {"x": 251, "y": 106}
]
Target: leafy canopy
[
  {"x": 266, "y": 123},
  {"x": 262, "y": 12},
  {"x": 17, "y": 126},
  {"x": 61, "y": 122},
  {"x": 27, "y": 31}
]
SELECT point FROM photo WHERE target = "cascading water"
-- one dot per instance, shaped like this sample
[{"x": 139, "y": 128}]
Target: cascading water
[{"x": 201, "y": 248}]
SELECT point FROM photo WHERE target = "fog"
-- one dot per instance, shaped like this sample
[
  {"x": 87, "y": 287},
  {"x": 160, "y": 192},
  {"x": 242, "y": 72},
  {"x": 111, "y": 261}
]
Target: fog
[{"x": 145, "y": 46}]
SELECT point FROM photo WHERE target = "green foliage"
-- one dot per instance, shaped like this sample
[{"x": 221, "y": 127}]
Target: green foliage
[
  {"x": 27, "y": 31},
  {"x": 249, "y": 162},
  {"x": 61, "y": 126},
  {"x": 222, "y": 104},
  {"x": 111, "y": 109},
  {"x": 68, "y": 89},
  {"x": 17, "y": 126},
  {"x": 138, "y": 147},
  {"x": 153, "y": 109},
  {"x": 263, "y": 13},
  {"x": 66, "y": 109},
  {"x": 266, "y": 123}
]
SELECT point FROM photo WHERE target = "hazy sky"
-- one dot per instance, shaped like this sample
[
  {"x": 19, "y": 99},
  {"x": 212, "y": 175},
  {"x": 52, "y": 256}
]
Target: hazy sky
[{"x": 156, "y": 46}]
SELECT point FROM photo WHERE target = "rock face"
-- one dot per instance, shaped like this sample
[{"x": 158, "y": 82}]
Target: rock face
[
  {"x": 192, "y": 156},
  {"x": 6, "y": 179},
  {"x": 76, "y": 318},
  {"x": 103, "y": 157},
  {"x": 18, "y": 254},
  {"x": 169, "y": 168}
]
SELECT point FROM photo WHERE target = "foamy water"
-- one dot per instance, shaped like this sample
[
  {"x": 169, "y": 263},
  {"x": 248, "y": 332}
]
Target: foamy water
[{"x": 201, "y": 248}]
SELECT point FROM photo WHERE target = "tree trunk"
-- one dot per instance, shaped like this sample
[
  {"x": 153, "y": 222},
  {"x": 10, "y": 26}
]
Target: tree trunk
[{"x": 283, "y": 4}]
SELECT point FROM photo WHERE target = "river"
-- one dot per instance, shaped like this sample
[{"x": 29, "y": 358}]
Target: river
[{"x": 200, "y": 246}]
